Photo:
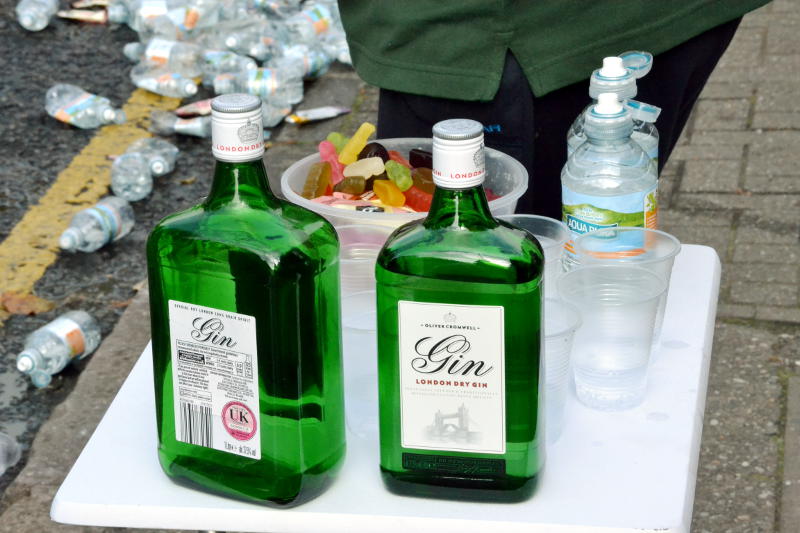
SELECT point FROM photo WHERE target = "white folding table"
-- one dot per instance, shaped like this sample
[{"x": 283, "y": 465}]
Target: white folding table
[{"x": 609, "y": 472}]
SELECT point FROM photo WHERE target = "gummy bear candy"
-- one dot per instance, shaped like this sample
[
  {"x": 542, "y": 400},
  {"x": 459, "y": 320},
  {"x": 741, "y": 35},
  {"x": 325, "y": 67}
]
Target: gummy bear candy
[
  {"x": 418, "y": 199},
  {"x": 423, "y": 179},
  {"x": 327, "y": 152}
]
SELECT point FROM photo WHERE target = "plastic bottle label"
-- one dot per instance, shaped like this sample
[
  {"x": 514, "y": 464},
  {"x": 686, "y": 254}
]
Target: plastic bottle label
[
  {"x": 262, "y": 82},
  {"x": 319, "y": 17},
  {"x": 153, "y": 8},
  {"x": 158, "y": 50},
  {"x": 215, "y": 379},
  {"x": 68, "y": 112},
  {"x": 452, "y": 381},
  {"x": 71, "y": 332},
  {"x": 583, "y": 213}
]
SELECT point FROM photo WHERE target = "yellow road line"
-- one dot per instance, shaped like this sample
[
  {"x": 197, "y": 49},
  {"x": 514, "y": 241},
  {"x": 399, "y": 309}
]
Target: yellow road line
[{"x": 32, "y": 245}]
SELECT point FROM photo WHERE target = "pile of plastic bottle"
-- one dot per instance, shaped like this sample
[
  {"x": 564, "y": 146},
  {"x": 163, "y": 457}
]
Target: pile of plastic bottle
[{"x": 266, "y": 48}]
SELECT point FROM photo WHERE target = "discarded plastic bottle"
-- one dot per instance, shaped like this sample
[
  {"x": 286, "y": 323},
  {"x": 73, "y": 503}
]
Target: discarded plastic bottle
[
  {"x": 276, "y": 87},
  {"x": 271, "y": 115},
  {"x": 132, "y": 173},
  {"x": 71, "y": 104},
  {"x": 108, "y": 220},
  {"x": 303, "y": 61},
  {"x": 165, "y": 123},
  {"x": 160, "y": 154},
  {"x": 618, "y": 75},
  {"x": 35, "y": 15},
  {"x": 161, "y": 81},
  {"x": 73, "y": 335},
  {"x": 175, "y": 56},
  {"x": 215, "y": 62},
  {"x": 10, "y": 452},
  {"x": 308, "y": 24}
]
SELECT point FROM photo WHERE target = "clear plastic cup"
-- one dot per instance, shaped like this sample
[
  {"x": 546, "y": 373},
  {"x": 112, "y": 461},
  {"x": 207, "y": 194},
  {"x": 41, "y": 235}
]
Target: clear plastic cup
[
  {"x": 561, "y": 320},
  {"x": 611, "y": 351},
  {"x": 647, "y": 248},
  {"x": 359, "y": 245},
  {"x": 360, "y": 363},
  {"x": 552, "y": 234}
]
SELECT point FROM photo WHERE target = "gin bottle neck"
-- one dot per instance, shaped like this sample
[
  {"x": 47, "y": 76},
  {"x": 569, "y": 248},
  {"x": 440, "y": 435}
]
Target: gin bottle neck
[
  {"x": 243, "y": 183},
  {"x": 462, "y": 208}
]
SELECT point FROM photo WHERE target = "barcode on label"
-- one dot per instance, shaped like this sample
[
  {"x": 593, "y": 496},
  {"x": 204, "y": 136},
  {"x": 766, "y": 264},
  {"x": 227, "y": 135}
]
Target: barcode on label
[{"x": 195, "y": 424}]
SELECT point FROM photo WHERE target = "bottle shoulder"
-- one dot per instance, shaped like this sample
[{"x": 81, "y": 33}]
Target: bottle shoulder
[
  {"x": 501, "y": 253},
  {"x": 269, "y": 233}
]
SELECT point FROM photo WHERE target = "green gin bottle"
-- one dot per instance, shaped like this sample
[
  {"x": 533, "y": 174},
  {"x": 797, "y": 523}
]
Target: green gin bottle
[
  {"x": 459, "y": 302},
  {"x": 244, "y": 302}
]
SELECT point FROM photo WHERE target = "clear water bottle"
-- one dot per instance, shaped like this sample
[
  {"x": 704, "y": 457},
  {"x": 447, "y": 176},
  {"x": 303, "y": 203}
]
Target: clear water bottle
[
  {"x": 609, "y": 180},
  {"x": 132, "y": 173},
  {"x": 160, "y": 154},
  {"x": 215, "y": 62},
  {"x": 71, "y": 104},
  {"x": 35, "y": 15},
  {"x": 161, "y": 81},
  {"x": 166, "y": 123},
  {"x": 303, "y": 61},
  {"x": 10, "y": 452},
  {"x": 131, "y": 178},
  {"x": 313, "y": 20},
  {"x": 73, "y": 335},
  {"x": 108, "y": 220},
  {"x": 644, "y": 129},
  {"x": 175, "y": 56},
  {"x": 271, "y": 116},
  {"x": 276, "y": 87}
]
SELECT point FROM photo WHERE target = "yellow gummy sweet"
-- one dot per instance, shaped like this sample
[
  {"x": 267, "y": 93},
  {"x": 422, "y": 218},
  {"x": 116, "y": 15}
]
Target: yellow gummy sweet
[
  {"x": 388, "y": 193},
  {"x": 356, "y": 143}
]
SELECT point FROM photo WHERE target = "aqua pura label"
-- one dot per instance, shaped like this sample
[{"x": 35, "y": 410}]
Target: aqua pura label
[
  {"x": 583, "y": 213},
  {"x": 452, "y": 377}
]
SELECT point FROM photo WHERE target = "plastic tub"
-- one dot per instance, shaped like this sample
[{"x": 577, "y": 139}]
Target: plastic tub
[{"x": 505, "y": 176}]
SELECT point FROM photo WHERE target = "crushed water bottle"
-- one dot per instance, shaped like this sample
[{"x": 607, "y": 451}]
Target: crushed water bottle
[
  {"x": 609, "y": 180},
  {"x": 107, "y": 221},
  {"x": 10, "y": 452},
  {"x": 175, "y": 56},
  {"x": 215, "y": 62},
  {"x": 35, "y": 15},
  {"x": 165, "y": 123},
  {"x": 312, "y": 21},
  {"x": 71, "y": 336},
  {"x": 132, "y": 173},
  {"x": 71, "y": 104},
  {"x": 162, "y": 81},
  {"x": 618, "y": 75},
  {"x": 275, "y": 87},
  {"x": 303, "y": 61}
]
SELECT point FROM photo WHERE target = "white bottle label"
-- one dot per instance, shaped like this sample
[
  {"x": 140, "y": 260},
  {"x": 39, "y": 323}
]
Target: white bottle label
[
  {"x": 71, "y": 332},
  {"x": 452, "y": 381},
  {"x": 158, "y": 50},
  {"x": 215, "y": 378},
  {"x": 459, "y": 167},
  {"x": 237, "y": 137}
]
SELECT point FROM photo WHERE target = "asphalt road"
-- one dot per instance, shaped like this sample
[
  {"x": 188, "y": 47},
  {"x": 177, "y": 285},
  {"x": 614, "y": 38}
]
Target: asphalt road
[{"x": 34, "y": 150}]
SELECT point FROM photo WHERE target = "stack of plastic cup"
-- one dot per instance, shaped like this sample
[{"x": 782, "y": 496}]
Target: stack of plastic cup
[
  {"x": 611, "y": 352},
  {"x": 359, "y": 245},
  {"x": 647, "y": 248},
  {"x": 552, "y": 234},
  {"x": 561, "y": 320},
  {"x": 360, "y": 363}
]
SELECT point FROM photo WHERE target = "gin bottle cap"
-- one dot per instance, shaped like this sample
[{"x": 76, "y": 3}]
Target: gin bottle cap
[
  {"x": 236, "y": 127},
  {"x": 458, "y": 159}
]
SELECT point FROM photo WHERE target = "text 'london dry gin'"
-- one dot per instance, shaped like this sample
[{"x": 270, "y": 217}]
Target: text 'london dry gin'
[
  {"x": 459, "y": 340},
  {"x": 244, "y": 300}
]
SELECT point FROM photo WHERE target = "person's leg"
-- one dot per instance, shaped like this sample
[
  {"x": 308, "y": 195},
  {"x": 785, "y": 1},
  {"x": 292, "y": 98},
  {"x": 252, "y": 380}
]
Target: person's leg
[{"x": 677, "y": 78}]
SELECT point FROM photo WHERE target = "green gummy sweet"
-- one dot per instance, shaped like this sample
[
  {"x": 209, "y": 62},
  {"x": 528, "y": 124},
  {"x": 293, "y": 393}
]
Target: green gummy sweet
[{"x": 399, "y": 174}]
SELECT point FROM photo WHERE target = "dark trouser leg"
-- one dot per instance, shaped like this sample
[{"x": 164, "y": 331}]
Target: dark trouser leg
[{"x": 533, "y": 130}]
